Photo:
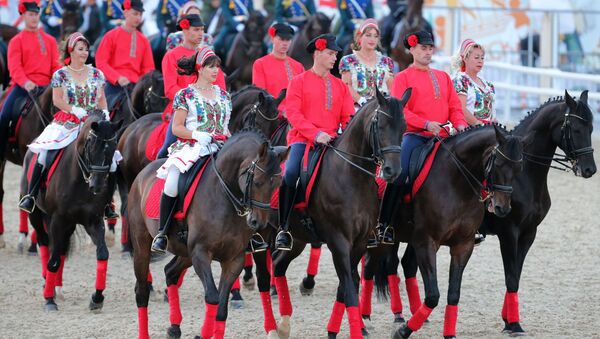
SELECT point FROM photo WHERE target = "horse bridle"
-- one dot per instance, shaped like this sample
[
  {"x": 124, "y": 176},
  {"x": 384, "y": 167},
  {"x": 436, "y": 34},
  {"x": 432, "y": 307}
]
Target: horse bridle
[
  {"x": 252, "y": 115},
  {"x": 243, "y": 206},
  {"x": 378, "y": 151},
  {"x": 150, "y": 93},
  {"x": 88, "y": 169}
]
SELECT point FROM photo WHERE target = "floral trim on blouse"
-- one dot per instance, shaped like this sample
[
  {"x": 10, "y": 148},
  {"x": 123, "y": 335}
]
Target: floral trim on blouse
[
  {"x": 204, "y": 115},
  {"x": 365, "y": 78},
  {"x": 480, "y": 101},
  {"x": 84, "y": 95}
]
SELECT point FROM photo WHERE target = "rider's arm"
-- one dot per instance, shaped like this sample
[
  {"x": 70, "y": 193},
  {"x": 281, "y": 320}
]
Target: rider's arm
[
  {"x": 296, "y": 117},
  {"x": 15, "y": 64},
  {"x": 457, "y": 118},
  {"x": 53, "y": 48},
  {"x": 226, "y": 12},
  {"x": 169, "y": 68},
  {"x": 347, "y": 107},
  {"x": 400, "y": 85},
  {"x": 346, "y": 21},
  {"x": 59, "y": 101},
  {"x": 103, "y": 56},
  {"x": 147, "y": 58},
  {"x": 258, "y": 75}
]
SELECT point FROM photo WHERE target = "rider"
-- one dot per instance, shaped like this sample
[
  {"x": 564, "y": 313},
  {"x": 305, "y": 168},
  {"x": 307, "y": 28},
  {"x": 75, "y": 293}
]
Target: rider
[
  {"x": 111, "y": 15},
  {"x": 294, "y": 12},
  {"x": 176, "y": 38},
  {"x": 433, "y": 103},
  {"x": 317, "y": 104},
  {"x": 235, "y": 13},
  {"x": 192, "y": 29},
  {"x": 274, "y": 71},
  {"x": 77, "y": 88},
  {"x": 52, "y": 17},
  {"x": 352, "y": 14},
  {"x": 124, "y": 54},
  {"x": 32, "y": 58},
  {"x": 202, "y": 112},
  {"x": 168, "y": 13},
  {"x": 366, "y": 68}
]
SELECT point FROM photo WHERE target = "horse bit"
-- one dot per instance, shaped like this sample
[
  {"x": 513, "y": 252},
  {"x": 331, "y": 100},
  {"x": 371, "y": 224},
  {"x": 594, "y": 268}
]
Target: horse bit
[{"x": 88, "y": 170}]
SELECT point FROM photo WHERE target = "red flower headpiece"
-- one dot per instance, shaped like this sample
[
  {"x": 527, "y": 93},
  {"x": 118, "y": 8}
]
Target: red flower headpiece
[
  {"x": 127, "y": 4},
  {"x": 321, "y": 44},
  {"x": 272, "y": 31},
  {"x": 22, "y": 8},
  {"x": 413, "y": 40},
  {"x": 184, "y": 24}
]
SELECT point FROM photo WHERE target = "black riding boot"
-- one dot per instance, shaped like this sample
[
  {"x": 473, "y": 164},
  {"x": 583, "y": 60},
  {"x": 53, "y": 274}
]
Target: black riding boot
[
  {"x": 167, "y": 208},
  {"x": 27, "y": 203},
  {"x": 384, "y": 232},
  {"x": 287, "y": 196}
]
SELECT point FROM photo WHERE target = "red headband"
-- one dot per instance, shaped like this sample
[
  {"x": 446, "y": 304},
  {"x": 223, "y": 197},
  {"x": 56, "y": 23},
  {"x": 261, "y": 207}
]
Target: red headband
[
  {"x": 203, "y": 53},
  {"x": 71, "y": 44},
  {"x": 366, "y": 24},
  {"x": 464, "y": 47}
]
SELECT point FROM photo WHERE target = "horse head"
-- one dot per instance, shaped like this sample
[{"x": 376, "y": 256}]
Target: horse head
[
  {"x": 254, "y": 33},
  {"x": 263, "y": 114},
  {"x": 154, "y": 95},
  {"x": 501, "y": 165},
  {"x": 96, "y": 145},
  {"x": 575, "y": 135}
]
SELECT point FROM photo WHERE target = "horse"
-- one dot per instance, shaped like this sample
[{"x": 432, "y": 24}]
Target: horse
[
  {"x": 225, "y": 211},
  {"x": 76, "y": 194},
  {"x": 316, "y": 25},
  {"x": 247, "y": 46},
  {"x": 412, "y": 22},
  {"x": 343, "y": 207},
  {"x": 253, "y": 106},
  {"x": 478, "y": 164},
  {"x": 561, "y": 122}
]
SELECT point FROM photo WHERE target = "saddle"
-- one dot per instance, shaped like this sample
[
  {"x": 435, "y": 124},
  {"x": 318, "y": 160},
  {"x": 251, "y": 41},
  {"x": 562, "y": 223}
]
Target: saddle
[
  {"x": 21, "y": 108},
  {"x": 52, "y": 159},
  {"x": 417, "y": 159}
]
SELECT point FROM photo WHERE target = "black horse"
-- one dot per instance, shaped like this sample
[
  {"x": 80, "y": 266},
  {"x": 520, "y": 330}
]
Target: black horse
[
  {"x": 254, "y": 107},
  {"x": 76, "y": 194},
  {"x": 316, "y": 25},
  {"x": 563, "y": 123}
]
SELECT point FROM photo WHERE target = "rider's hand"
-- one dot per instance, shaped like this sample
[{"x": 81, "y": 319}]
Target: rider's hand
[
  {"x": 123, "y": 81},
  {"x": 323, "y": 138},
  {"x": 53, "y": 21},
  {"x": 434, "y": 127},
  {"x": 106, "y": 114},
  {"x": 29, "y": 86},
  {"x": 239, "y": 27},
  {"x": 78, "y": 112},
  {"x": 202, "y": 137}
]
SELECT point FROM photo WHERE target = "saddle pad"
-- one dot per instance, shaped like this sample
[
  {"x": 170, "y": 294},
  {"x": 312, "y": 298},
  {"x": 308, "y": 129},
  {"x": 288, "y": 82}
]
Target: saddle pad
[
  {"x": 152, "y": 208},
  {"x": 156, "y": 140},
  {"x": 53, "y": 157},
  {"x": 423, "y": 173}
]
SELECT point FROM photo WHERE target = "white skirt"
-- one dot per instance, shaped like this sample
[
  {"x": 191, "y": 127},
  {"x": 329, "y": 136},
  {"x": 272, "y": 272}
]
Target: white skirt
[
  {"x": 183, "y": 155},
  {"x": 55, "y": 136}
]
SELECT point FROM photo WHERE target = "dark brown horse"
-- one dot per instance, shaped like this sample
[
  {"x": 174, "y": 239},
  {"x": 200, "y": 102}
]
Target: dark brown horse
[
  {"x": 253, "y": 106},
  {"x": 316, "y": 25},
  {"x": 563, "y": 123},
  {"x": 77, "y": 193},
  {"x": 240, "y": 179},
  {"x": 448, "y": 209},
  {"x": 343, "y": 207},
  {"x": 412, "y": 22},
  {"x": 247, "y": 46}
]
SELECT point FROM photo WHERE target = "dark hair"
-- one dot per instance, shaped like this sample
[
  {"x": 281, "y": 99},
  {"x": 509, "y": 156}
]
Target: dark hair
[
  {"x": 64, "y": 51},
  {"x": 187, "y": 65}
]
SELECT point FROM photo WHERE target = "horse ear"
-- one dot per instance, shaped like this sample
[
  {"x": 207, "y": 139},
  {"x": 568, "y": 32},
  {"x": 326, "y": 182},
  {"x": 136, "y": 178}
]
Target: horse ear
[
  {"x": 406, "y": 96},
  {"x": 282, "y": 152},
  {"x": 584, "y": 97},
  {"x": 261, "y": 99},
  {"x": 499, "y": 135},
  {"x": 264, "y": 150},
  {"x": 380, "y": 98},
  {"x": 280, "y": 97},
  {"x": 94, "y": 126},
  {"x": 570, "y": 101}
]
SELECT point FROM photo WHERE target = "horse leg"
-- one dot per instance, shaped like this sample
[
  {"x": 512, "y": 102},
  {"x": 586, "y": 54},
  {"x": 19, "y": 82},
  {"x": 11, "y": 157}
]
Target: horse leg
[
  {"x": 281, "y": 264},
  {"x": 230, "y": 273},
  {"x": 37, "y": 221},
  {"x": 337, "y": 313},
  {"x": 248, "y": 278},
  {"x": 391, "y": 266},
  {"x": 426, "y": 258},
  {"x": 367, "y": 284},
  {"x": 237, "y": 301},
  {"x": 60, "y": 233},
  {"x": 96, "y": 231},
  {"x": 32, "y": 250},
  {"x": 126, "y": 245},
  {"x": 2, "y": 164},
  {"x": 308, "y": 283},
  {"x": 174, "y": 273},
  {"x": 514, "y": 248},
  {"x": 460, "y": 255},
  {"x": 201, "y": 261},
  {"x": 141, "y": 267},
  {"x": 263, "y": 279},
  {"x": 410, "y": 267}
]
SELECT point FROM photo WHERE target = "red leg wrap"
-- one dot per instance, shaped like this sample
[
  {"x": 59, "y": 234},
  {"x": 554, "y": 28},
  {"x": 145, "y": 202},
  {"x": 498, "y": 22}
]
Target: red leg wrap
[
  {"x": 49, "y": 286},
  {"x": 1, "y": 219},
  {"x": 354, "y": 320},
  {"x": 174, "y": 307},
  {"x": 512, "y": 307},
  {"x": 181, "y": 276},
  {"x": 219, "y": 330},
  {"x": 23, "y": 219},
  {"x": 366, "y": 295},
  {"x": 34, "y": 237},
  {"x": 248, "y": 260},
  {"x": 101, "y": 268},
  {"x": 417, "y": 320},
  {"x": 149, "y": 277},
  {"x": 111, "y": 221},
  {"x": 504, "y": 307},
  {"x": 414, "y": 297},
  {"x": 313, "y": 261},
  {"x": 270, "y": 267},
  {"x": 210, "y": 316},
  {"x": 285, "y": 303},
  {"x": 335, "y": 321},
  {"x": 44, "y": 256},
  {"x": 124, "y": 230},
  {"x": 395, "y": 301},
  {"x": 236, "y": 284},
  {"x": 450, "y": 320},
  {"x": 143, "y": 323},
  {"x": 268, "y": 315},
  {"x": 59, "y": 275}
]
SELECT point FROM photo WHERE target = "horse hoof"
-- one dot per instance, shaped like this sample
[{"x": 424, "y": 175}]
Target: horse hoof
[
  {"x": 58, "y": 293},
  {"x": 174, "y": 332},
  {"x": 305, "y": 291},
  {"x": 284, "y": 327},
  {"x": 96, "y": 303},
  {"x": 50, "y": 306},
  {"x": 398, "y": 318},
  {"x": 368, "y": 323},
  {"x": 364, "y": 332},
  {"x": 20, "y": 248},
  {"x": 513, "y": 329},
  {"x": 237, "y": 304},
  {"x": 402, "y": 332},
  {"x": 449, "y": 337},
  {"x": 249, "y": 284},
  {"x": 109, "y": 238},
  {"x": 2, "y": 242},
  {"x": 331, "y": 335},
  {"x": 32, "y": 250},
  {"x": 156, "y": 257},
  {"x": 272, "y": 334}
]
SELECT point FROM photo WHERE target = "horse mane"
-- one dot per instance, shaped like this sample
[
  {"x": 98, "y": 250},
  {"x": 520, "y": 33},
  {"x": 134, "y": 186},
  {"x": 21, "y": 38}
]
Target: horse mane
[
  {"x": 244, "y": 132},
  {"x": 526, "y": 121},
  {"x": 470, "y": 129},
  {"x": 247, "y": 88}
]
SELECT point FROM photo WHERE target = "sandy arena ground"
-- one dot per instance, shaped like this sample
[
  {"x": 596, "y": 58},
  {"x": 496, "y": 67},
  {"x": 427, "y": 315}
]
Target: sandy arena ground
[{"x": 559, "y": 294}]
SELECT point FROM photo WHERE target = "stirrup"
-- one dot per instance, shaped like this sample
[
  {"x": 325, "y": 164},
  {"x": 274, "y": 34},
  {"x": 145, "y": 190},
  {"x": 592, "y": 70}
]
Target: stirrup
[
  {"x": 479, "y": 238},
  {"x": 373, "y": 241},
  {"x": 260, "y": 242},
  {"x": 278, "y": 245},
  {"x": 23, "y": 200},
  {"x": 383, "y": 239},
  {"x": 154, "y": 248}
]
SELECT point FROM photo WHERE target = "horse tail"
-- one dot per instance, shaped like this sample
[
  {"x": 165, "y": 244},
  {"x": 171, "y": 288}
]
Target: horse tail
[{"x": 380, "y": 276}]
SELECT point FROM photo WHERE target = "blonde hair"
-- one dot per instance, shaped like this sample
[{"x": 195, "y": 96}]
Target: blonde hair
[
  {"x": 355, "y": 44},
  {"x": 457, "y": 62}
]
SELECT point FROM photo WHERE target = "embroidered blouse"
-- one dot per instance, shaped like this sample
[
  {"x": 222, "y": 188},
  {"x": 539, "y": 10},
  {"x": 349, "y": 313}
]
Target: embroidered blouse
[
  {"x": 211, "y": 116},
  {"x": 480, "y": 101},
  {"x": 365, "y": 78},
  {"x": 85, "y": 95}
]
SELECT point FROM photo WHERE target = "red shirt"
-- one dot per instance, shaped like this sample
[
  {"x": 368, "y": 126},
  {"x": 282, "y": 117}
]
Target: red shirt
[
  {"x": 174, "y": 81},
  {"x": 423, "y": 105},
  {"x": 28, "y": 59},
  {"x": 114, "y": 58},
  {"x": 274, "y": 74},
  {"x": 307, "y": 107}
]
